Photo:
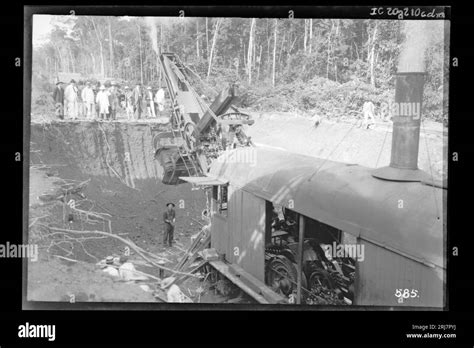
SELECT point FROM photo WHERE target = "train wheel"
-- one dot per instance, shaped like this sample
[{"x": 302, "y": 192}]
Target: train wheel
[
  {"x": 320, "y": 278},
  {"x": 282, "y": 276}
]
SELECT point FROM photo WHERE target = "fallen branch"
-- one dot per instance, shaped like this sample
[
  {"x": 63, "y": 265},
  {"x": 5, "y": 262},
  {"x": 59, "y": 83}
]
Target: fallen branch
[
  {"x": 65, "y": 258},
  {"x": 138, "y": 272},
  {"x": 130, "y": 244},
  {"x": 36, "y": 219}
]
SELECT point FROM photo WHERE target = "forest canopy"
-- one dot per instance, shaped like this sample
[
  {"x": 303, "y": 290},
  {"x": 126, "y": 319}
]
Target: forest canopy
[{"x": 328, "y": 67}]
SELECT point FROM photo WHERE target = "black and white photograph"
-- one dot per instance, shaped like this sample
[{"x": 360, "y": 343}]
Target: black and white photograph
[{"x": 239, "y": 162}]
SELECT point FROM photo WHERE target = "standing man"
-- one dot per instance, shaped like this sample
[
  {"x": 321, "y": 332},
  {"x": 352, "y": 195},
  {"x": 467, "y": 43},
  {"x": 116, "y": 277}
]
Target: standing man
[
  {"x": 129, "y": 103},
  {"x": 150, "y": 105},
  {"x": 88, "y": 100},
  {"x": 58, "y": 97},
  {"x": 95, "y": 89},
  {"x": 368, "y": 111},
  {"x": 113, "y": 101},
  {"x": 160, "y": 100},
  {"x": 80, "y": 101},
  {"x": 102, "y": 101},
  {"x": 169, "y": 217},
  {"x": 70, "y": 97},
  {"x": 137, "y": 101}
]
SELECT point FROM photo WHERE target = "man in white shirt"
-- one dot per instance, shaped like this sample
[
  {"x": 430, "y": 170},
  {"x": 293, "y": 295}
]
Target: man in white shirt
[
  {"x": 88, "y": 100},
  {"x": 160, "y": 99},
  {"x": 368, "y": 111},
  {"x": 150, "y": 105},
  {"x": 70, "y": 97},
  {"x": 102, "y": 100}
]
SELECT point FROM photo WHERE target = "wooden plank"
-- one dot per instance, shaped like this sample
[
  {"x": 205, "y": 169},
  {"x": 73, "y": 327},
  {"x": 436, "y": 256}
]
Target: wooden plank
[
  {"x": 256, "y": 285},
  {"x": 223, "y": 268},
  {"x": 204, "y": 180}
]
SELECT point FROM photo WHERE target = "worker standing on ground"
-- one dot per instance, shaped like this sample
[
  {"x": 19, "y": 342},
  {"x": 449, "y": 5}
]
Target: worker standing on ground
[
  {"x": 96, "y": 90},
  {"x": 113, "y": 101},
  {"x": 88, "y": 99},
  {"x": 368, "y": 112},
  {"x": 129, "y": 103},
  {"x": 70, "y": 98},
  {"x": 80, "y": 101},
  {"x": 150, "y": 106},
  {"x": 58, "y": 97},
  {"x": 137, "y": 101},
  {"x": 102, "y": 100},
  {"x": 169, "y": 217},
  {"x": 160, "y": 100}
]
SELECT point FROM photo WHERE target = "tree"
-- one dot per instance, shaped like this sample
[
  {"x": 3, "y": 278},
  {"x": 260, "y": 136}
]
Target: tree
[
  {"x": 111, "y": 46},
  {"x": 250, "y": 50},
  {"x": 214, "y": 39},
  {"x": 274, "y": 50}
]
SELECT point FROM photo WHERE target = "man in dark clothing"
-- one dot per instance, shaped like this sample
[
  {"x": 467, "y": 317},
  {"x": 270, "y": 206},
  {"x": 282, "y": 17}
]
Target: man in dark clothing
[
  {"x": 169, "y": 217},
  {"x": 137, "y": 100},
  {"x": 58, "y": 97},
  {"x": 113, "y": 101}
]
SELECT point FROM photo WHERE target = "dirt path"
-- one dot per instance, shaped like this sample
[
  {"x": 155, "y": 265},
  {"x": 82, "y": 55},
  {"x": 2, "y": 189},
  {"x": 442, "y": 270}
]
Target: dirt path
[{"x": 346, "y": 142}]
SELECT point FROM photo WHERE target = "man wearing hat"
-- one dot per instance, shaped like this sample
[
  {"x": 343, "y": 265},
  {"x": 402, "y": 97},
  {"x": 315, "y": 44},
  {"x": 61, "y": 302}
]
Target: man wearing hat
[
  {"x": 102, "y": 99},
  {"x": 129, "y": 103},
  {"x": 137, "y": 100},
  {"x": 160, "y": 99},
  {"x": 150, "y": 105},
  {"x": 58, "y": 97},
  {"x": 169, "y": 217},
  {"x": 113, "y": 101},
  {"x": 88, "y": 100},
  {"x": 70, "y": 98}
]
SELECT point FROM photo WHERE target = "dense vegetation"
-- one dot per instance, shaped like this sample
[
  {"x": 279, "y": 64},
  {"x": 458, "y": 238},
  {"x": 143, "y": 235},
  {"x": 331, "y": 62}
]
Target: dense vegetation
[{"x": 317, "y": 66}]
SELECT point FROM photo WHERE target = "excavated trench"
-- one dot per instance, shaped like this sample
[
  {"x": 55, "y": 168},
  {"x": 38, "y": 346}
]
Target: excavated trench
[
  {"x": 124, "y": 183},
  {"x": 125, "y": 179}
]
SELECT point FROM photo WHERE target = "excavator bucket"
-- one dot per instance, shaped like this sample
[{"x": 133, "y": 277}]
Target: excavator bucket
[{"x": 174, "y": 163}]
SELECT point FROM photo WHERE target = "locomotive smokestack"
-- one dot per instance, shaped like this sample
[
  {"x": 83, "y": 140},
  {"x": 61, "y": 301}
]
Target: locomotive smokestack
[{"x": 406, "y": 115}]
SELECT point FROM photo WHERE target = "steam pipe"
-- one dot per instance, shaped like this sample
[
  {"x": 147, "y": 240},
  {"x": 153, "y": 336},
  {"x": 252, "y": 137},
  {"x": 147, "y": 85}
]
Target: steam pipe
[{"x": 406, "y": 116}]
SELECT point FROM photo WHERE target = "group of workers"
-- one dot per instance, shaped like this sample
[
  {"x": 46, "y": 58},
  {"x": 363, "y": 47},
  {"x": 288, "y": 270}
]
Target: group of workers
[{"x": 105, "y": 101}]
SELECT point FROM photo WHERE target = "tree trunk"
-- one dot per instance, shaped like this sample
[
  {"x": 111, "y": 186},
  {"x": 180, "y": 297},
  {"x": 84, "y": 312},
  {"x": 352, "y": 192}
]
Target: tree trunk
[
  {"x": 93, "y": 63},
  {"x": 305, "y": 35},
  {"x": 71, "y": 59},
  {"x": 371, "y": 56},
  {"x": 214, "y": 39},
  {"x": 250, "y": 50},
  {"x": 102, "y": 67},
  {"x": 160, "y": 49},
  {"x": 141, "y": 58},
  {"x": 207, "y": 41},
  {"x": 61, "y": 60},
  {"x": 259, "y": 62},
  {"x": 197, "y": 38},
  {"x": 111, "y": 46},
  {"x": 329, "y": 50},
  {"x": 310, "y": 34},
  {"x": 274, "y": 51}
]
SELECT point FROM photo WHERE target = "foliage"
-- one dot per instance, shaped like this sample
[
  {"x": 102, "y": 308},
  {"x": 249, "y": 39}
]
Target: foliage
[{"x": 327, "y": 66}]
